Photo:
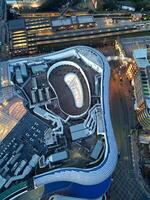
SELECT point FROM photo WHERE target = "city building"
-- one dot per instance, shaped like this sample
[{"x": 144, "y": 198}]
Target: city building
[
  {"x": 25, "y": 3},
  {"x": 142, "y": 87},
  {"x": 3, "y": 7},
  {"x": 29, "y": 35},
  {"x": 131, "y": 70},
  {"x": 61, "y": 197},
  {"x": 129, "y": 63},
  {"x": 126, "y": 5},
  {"x": 64, "y": 140},
  {"x": 144, "y": 146}
]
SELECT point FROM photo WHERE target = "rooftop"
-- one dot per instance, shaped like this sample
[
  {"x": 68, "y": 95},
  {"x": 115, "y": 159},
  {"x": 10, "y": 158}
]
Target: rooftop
[
  {"x": 148, "y": 103},
  {"x": 61, "y": 22},
  {"x": 140, "y": 56},
  {"x": 67, "y": 21},
  {"x": 85, "y": 19},
  {"x": 64, "y": 95},
  {"x": 16, "y": 25}
]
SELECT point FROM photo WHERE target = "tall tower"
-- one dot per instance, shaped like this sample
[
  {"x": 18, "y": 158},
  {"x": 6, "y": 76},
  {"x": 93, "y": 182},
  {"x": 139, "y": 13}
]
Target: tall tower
[{"x": 94, "y": 2}]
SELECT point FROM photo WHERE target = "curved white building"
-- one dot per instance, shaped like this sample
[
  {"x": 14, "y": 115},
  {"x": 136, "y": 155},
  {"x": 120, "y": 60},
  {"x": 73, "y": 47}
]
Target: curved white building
[
  {"x": 69, "y": 91},
  {"x": 96, "y": 174}
]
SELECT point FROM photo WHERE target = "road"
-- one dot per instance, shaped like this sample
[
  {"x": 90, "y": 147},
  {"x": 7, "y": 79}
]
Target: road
[
  {"x": 57, "y": 14},
  {"x": 125, "y": 185}
]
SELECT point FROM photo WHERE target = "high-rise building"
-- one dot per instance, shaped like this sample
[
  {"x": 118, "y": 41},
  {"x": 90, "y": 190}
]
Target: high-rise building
[
  {"x": 94, "y": 2},
  {"x": 142, "y": 87}
]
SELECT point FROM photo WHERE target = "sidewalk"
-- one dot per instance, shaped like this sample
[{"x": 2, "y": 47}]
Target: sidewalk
[{"x": 135, "y": 161}]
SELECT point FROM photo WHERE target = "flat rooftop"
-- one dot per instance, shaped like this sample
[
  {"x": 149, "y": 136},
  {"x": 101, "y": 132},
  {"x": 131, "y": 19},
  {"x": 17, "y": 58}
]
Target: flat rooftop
[
  {"x": 16, "y": 25},
  {"x": 130, "y": 44},
  {"x": 67, "y": 21}
]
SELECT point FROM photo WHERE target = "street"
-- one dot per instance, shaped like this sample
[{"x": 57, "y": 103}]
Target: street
[{"x": 125, "y": 185}]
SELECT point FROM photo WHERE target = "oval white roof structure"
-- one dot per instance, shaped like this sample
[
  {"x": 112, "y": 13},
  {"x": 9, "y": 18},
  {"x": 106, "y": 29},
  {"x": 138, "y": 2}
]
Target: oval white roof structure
[
  {"x": 73, "y": 82},
  {"x": 70, "y": 74}
]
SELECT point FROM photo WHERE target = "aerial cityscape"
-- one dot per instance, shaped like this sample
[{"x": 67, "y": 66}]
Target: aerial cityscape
[{"x": 74, "y": 100}]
